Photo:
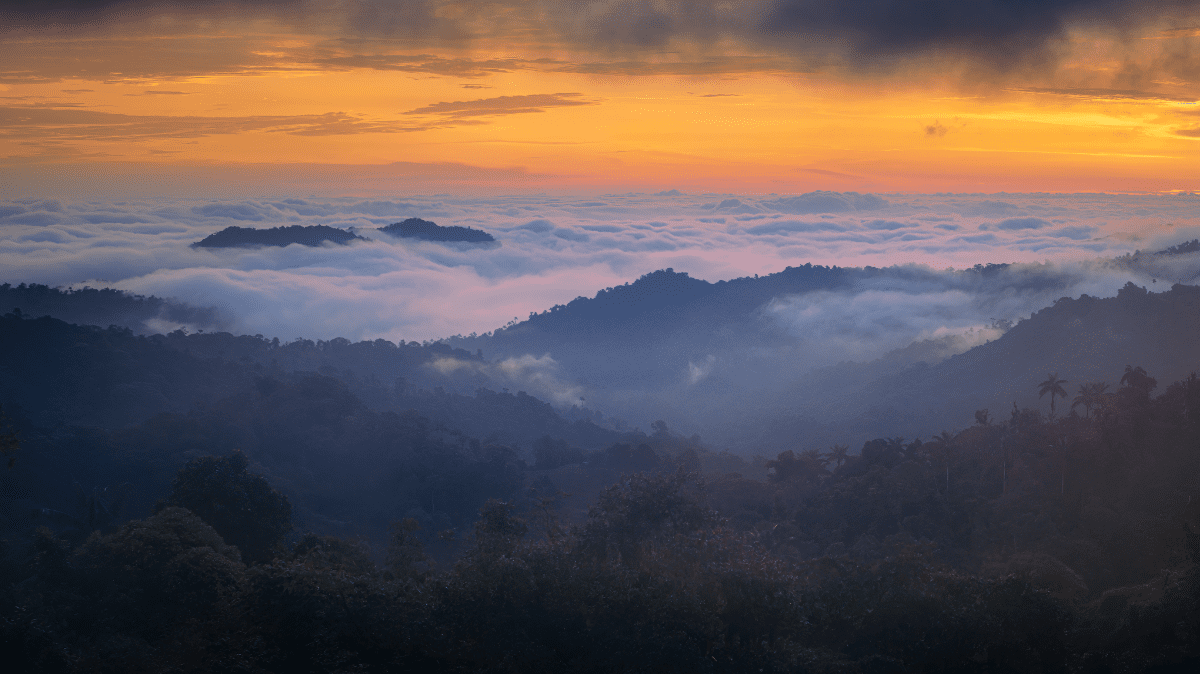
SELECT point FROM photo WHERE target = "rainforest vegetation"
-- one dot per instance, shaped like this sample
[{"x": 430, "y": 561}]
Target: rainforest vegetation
[{"x": 205, "y": 502}]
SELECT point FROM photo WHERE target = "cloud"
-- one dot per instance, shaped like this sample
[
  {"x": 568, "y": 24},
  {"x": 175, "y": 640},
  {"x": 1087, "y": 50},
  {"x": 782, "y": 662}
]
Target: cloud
[
  {"x": 42, "y": 125},
  {"x": 158, "y": 92},
  {"x": 1188, "y": 133},
  {"x": 826, "y": 202},
  {"x": 557, "y": 252},
  {"x": 887, "y": 224},
  {"x": 502, "y": 105},
  {"x": 615, "y": 37},
  {"x": 1001, "y": 33},
  {"x": 735, "y": 206},
  {"x": 935, "y": 130},
  {"x": 427, "y": 63},
  {"x": 539, "y": 226},
  {"x": 249, "y": 212},
  {"x": 697, "y": 373},
  {"x": 571, "y": 235},
  {"x": 1022, "y": 223},
  {"x": 787, "y": 226},
  {"x": 1110, "y": 94},
  {"x": 987, "y": 207},
  {"x": 423, "y": 290},
  {"x": 1076, "y": 233},
  {"x": 725, "y": 64},
  {"x": 544, "y": 377}
]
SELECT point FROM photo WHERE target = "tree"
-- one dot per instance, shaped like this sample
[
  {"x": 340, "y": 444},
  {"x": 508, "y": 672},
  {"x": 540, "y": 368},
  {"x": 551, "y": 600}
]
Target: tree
[
  {"x": 1090, "y": 396},
  {"x": 9, "y": 443},
  {"x": 406, "y": 556},
  {"x": 241, "y": 506},
  {"x": 1053, "y": 386},
  {"x": 630, "y": 516},
  {"x": 497, "y": 532},
  {"x": 837, "y": 454},
  {"x": 1137, "y": 379},
  {"x": 808, "y": 465},
  {"x": 944, "y": 443}
]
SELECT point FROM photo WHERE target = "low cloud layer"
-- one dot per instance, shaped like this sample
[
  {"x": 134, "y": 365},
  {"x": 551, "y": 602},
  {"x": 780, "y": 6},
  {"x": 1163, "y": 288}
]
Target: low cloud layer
[{"x": 552, "y": 250}]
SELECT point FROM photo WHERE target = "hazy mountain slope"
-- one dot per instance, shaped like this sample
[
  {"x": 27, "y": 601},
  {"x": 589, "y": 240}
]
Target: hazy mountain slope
[
  {"x": 104, "y": 307},
  {"x": 1081, "y": 340},
  {"x": 710, "y": 357}
]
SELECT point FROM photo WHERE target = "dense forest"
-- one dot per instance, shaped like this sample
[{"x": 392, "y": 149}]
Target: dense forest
[{"x": 211, "y": 502}]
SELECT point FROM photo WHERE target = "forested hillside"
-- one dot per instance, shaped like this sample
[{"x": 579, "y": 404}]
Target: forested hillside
[
  {"x": 1084, "y": 340},
  {"x": 1032, "y": 504},
  {"x": 1024, "y": 543}
]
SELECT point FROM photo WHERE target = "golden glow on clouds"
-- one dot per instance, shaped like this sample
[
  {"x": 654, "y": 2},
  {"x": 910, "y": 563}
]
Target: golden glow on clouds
[{"x": 1109, "y": 114}]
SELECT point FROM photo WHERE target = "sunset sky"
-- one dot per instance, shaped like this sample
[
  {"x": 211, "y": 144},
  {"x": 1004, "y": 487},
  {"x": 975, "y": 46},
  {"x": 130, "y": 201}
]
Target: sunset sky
[
  {"x": 747, "y": 97},
  {"x": 596, "y": 140}
]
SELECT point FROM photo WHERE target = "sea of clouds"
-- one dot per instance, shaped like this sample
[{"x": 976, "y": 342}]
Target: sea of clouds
[{"x": 555, "y": 248}]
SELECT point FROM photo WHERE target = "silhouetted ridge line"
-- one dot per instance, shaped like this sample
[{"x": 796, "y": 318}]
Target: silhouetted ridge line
[
  {"x": 315, "y": 235},
  {"x": 1182, "y": 248},
  {"x": 416, "y": 228}
]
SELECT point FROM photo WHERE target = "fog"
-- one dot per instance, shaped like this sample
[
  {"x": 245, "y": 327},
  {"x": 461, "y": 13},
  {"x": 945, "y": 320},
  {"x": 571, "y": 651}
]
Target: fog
[{"x": 552, "y": 249}]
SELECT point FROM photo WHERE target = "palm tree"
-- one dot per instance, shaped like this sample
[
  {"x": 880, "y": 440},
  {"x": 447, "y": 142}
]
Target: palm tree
[
  {"x": 1090, "y": 396},
  {"x": 1053, "y": 386},
  {"x": 814, "y": 462},
  {"x": 837, "y": 454},
  {"x": 945, "y": 442},
  {"x": 1136, "y": 378}
]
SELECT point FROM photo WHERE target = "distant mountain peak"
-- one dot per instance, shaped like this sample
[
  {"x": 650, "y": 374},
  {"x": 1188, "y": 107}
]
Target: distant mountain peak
[
  {"x": 313, "y": 235},
  {"x": 416, "y": 228}
]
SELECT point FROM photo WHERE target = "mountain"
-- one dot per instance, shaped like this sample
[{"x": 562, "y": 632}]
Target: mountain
[
  {"x": 816, "y": 354},
  {"x": 60, "y": 374},
  {"x": 416, "y": 228},
  {"x": 106, "y": 306},
  {"x": 1082, "y": 340},
  {"x": 238, "y": 237}
]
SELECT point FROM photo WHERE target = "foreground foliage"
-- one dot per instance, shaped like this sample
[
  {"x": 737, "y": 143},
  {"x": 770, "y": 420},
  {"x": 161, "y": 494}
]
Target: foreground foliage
[{"x": 653, "y": 581}]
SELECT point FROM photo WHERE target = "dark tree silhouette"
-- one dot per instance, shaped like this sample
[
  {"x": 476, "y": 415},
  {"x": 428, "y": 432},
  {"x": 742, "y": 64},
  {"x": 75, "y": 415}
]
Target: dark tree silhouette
[
  {"x": 1137, "y": 379},
  {"x": 241, "y": 506},
  {"x": 1053, "y": 386},
  {"x": 416, "y": 228},
  {"x": 837, "y": 454},
  {"x": 315, "y": 235},
  {"x": 1091, "y": 396},
  {"x": 8, "y": 441},
  {"x": 944, "y": 448}
]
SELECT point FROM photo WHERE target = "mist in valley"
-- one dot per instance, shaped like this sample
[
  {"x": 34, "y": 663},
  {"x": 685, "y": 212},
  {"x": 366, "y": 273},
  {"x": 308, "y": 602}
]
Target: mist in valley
[{"x": 313, "y": 440}]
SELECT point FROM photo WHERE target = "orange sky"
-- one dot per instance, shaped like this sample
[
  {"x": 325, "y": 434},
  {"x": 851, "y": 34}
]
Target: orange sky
[{"x": 512, "y": 96}]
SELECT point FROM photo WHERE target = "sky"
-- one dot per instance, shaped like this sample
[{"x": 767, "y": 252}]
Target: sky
[
  {"x": 597, "y": 140},
  {"x": 788, "y": 96}
]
